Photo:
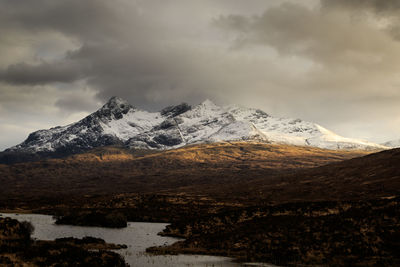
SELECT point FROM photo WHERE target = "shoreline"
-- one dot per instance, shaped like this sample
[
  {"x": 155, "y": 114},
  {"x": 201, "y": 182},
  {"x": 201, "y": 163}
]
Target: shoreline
[
  {"x": 324, "y": 232},
  {"x": 19, "y": 248}
]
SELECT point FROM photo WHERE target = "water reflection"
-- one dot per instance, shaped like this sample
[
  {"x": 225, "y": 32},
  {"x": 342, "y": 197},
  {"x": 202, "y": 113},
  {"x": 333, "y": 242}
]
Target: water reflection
[{"x": 137, "y": 236}]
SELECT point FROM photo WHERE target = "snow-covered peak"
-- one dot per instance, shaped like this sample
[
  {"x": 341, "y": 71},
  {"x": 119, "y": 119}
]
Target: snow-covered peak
[
  {"x": 205, "y": 110},
  {"x": 297, "y": 131},
  {"x": 330, "y": 140},
  {"x": 116, "y": 103},
  {"x": 115, "y": 108},
  {"x": 173, "y": 111},
  {"x": 118, "y": 122},
  {"x": 208, "y": 104},
  {"x": 392, "y": 143},
  {"x": 245, "y": 113}
]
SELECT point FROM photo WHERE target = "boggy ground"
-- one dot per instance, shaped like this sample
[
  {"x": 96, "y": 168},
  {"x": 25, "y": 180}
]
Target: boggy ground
[
  {"x": 18, "y": 249},
  {"x": 104, "y": 210},
  {"x": 255, "y": 202},
  {"x": 350, "y": 233},
  {"x": 342, "y": 233}
]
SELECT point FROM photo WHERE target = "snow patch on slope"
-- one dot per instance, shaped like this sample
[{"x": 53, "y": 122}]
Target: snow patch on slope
[
  {"x": 132, "y": 124},
  {"x": 330, "y": 140},
  {"x": 297, "y": 132},
  {"x": 238, "y": 131},
  {"x": 392, "y": 144},
  {"x": 118, "y": 122}
]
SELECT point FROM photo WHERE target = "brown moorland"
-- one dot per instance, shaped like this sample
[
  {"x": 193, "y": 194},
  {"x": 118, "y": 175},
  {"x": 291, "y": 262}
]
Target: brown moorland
[
  {"x": 113, "y": 170},
  {"x": 256, "y": 202}
]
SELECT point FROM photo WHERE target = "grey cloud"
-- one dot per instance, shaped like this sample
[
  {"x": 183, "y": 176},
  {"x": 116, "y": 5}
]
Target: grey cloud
[
  {"x": 91, "y": 19},
  {"x": 316, "y": 62},
  {"x": 378, "y": 6},
  {"x": 352, "y": 57},
  {"x": 323, "y": 36},
  {"x": 122, "y": 51},
  {"x": 23, "y": 73},
  {"x": 75, "y": 102},
  {"x": 387, "y": 12}
]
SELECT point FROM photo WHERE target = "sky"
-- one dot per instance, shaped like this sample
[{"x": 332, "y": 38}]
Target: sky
[{"x": 333, "y": 62}]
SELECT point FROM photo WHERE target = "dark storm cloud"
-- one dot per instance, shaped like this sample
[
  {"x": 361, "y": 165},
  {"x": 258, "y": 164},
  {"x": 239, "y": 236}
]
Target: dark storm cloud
[
  {"x": 28, "y": 74},
  {"x": 320, "y": 61},
  {"x": 122, "y": 51},
  {"x": 374, "y": 5},
  {"x": 89, "y": 19}
]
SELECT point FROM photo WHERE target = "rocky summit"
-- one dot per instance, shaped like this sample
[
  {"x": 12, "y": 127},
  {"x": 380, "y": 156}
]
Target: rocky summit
[{"x": 120, "y": 123}]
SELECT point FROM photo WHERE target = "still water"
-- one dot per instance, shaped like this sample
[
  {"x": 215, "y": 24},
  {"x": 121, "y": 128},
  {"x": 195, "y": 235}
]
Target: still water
[{"x": 137, "y": 236}]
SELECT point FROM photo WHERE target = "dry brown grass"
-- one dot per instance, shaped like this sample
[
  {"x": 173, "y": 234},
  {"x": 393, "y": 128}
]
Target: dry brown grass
[{"x": 113, "y": 169}]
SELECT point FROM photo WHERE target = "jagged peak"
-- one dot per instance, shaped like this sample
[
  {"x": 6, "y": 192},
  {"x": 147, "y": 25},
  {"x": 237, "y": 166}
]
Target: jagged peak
[
  {"x": 115, "y": 102},
  {"x": 246, "y": 111},
  {"x": 208, "y": 104},
  {"x": 173, "y": 111},
  {"x": 115, "y": 106},
  {"x": 235, "y": 106},
  {"x": 118, "y": 121}
]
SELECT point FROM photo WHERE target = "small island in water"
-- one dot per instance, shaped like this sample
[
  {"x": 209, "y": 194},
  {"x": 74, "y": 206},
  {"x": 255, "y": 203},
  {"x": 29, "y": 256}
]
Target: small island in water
[{"x": 17, "y": 248}]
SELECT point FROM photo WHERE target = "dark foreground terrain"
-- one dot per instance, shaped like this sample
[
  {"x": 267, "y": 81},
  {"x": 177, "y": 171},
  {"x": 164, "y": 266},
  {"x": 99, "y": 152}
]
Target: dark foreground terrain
[
  {"x": 340, "y": 233},
  {"x": 18, "y": 249},
  {"x": 255, "y": 202},
  {"x": 329, "y": 233}
]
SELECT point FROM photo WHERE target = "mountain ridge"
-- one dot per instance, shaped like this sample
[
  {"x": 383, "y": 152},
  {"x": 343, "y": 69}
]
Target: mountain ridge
[
  {"x": 117, "y": 122},
  {"x": 392, "y": 143}
]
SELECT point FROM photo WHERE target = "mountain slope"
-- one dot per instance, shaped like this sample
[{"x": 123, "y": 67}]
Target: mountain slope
[
  {"x": 118, "y": 169},
  {"x": 297, "y": 132},
  {"x": 371, "y": 176},
  {"x": 392, "y": 143},
  {"x": 119, "y": 123}
]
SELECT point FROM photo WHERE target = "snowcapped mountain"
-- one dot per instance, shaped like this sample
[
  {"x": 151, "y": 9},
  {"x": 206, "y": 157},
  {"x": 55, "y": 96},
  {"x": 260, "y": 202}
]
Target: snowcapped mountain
[
  {"x": 119, "y": 123},
  {"x": 392, "y": 144},
  {"x": 297, "y": 132}
]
